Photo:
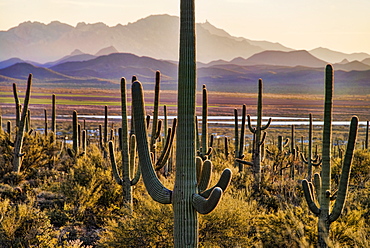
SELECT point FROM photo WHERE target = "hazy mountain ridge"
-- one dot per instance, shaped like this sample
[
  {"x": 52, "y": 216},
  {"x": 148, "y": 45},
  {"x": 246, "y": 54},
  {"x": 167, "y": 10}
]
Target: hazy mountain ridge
[
  {"x": 106, "y": 71},
  {"x": 154, "y": 36}
]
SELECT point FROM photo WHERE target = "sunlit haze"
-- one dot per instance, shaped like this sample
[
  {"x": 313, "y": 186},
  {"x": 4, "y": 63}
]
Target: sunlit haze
[{"x": 340, "y": 25}]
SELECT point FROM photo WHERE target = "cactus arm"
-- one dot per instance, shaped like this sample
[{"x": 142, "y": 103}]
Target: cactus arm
[
  {"x": 114, "y": 164},
  {"x": 17, "y": 105},
  {"x": 317, "y": 184},
  {"x": 263, "y": 138},
  {"x": 308, "y": 196},
  {"x": 251, "y": 129},
  {"x": 286, "y": 142},
  {"x": 155, "y": 188},
  {"x": 343, "y": 184},
  {"x": 159, "y": 127},
  {"x": 20, "y": 132},
  {"x": 205, "y": 175},
  {"x": 304, "y": 160},
  {"x": 161, "y": 162},
  {"x": 222, "y": 183},
  {"x": 137, "y": 175},
  {"x": 317, "y": 161},
  {"x": 205, "y": 206},
  {"x": 168, "y": 145},
  {"x": 241, "y": 161},
  {"x": 267, "y": 124}
]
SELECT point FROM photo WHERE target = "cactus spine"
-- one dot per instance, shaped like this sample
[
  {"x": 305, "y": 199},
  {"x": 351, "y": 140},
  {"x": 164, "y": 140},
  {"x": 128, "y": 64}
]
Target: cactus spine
[
  {"x": 17, "y": 161},
  {"x": 128, "y": 154},
  {"x": 326, "y": 217},
  {"x": 310, "y": 161},
  {"x": 185, "y": 198}
]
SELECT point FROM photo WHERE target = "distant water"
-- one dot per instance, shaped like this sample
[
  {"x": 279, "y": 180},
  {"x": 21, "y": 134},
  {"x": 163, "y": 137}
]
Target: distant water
[{"x": 229, "y": 120}]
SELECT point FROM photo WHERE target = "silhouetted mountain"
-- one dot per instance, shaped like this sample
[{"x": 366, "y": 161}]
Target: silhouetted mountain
[
  {"x": 76, "y": 55},
  {"x": 117, "y": 65},
  {"x": 279, "y": 58},
  {"x": 335, "y": 57},
  {"x": 9, "y": 62},
  {"x": 22, "y": 70},
  {"x": 366, "y": 61},
  {"x": 352, "y": 66},
  {"x": 106, "y": 71}
]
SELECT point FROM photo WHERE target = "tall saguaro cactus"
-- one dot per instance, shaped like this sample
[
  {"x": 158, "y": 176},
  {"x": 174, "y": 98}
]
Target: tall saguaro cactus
[
  {"x": 188, "y": 197},
  {"x": 325, "y": 214},
  {"x": 128, "y": 152},
  {"x": 17, "y": 161}
]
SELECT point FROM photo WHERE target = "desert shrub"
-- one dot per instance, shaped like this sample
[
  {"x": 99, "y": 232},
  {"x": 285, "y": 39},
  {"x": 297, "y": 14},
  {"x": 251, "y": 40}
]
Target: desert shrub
[
  {"x": 24, "y": 225},
  {"x": 88, "y": 189},
  {"x": 150, "y": 225},
  {"x": 351, "y": 230},
  {"x": 291, "y": 227},
  {"x": 360, "y": 172},
  {"x": 231, "y": 224}
]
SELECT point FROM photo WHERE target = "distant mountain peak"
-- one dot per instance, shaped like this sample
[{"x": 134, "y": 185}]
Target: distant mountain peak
[
  {"x": 214, "y": 30},
  {"x": 76, "y": 52},
  {"x": 106, "y": 51},
  {"x": 344, "y": 61}
]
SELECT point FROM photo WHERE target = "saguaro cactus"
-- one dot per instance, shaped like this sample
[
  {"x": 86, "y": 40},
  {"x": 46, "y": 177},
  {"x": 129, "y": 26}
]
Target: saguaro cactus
[
  {"x": 186, "y": 197},
  {"x": 258, "y": 140},
  {"x": 17, "y": 161},
  {"x": 128, "y": 153},
  {"x": 310, "y": 160},
  {"x": 325, "y": 215}
]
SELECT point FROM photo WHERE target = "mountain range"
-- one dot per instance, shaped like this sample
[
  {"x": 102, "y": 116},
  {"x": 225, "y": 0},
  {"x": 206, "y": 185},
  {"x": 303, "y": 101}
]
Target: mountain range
[
  {"x": 155, "y": 36},
  {"x": 238, "y": 76},
  {"x": 95, "y": 55}
]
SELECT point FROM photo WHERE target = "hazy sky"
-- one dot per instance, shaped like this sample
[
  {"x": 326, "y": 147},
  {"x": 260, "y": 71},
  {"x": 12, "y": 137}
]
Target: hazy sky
[{"x": 341, "y": 25}]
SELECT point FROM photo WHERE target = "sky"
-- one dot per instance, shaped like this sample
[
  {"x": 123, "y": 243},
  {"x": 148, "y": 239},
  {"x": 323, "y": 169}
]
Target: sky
[{"x": 341, "y": 25}]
